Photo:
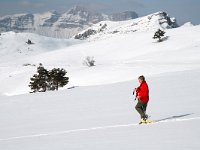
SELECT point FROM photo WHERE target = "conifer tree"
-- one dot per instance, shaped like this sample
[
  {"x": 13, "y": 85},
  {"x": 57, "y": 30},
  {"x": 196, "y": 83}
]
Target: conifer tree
[
  {"x": 48, "y": 80},
  {"x": 158, "y": 35},
  {"x": 34, "y": 83},
  {"x": 57, "y": 78},
  {"x": 39, "y": 81}
]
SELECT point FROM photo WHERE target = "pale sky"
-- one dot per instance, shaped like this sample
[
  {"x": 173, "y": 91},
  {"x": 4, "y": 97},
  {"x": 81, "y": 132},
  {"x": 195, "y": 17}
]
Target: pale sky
[{"x": 182, "y": 10}]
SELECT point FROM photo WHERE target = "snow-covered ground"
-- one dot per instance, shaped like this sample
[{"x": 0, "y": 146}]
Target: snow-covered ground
[
  {"x": 99, "y": 112},
  {"x": 103, "y": 117},
  {"x": 16, "y": 66},
  {"x": 120, "y": 57},
  {"x": 13, "y": 45}
]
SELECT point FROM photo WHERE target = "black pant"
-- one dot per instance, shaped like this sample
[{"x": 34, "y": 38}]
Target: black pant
[{"x": 141, "y": 108}]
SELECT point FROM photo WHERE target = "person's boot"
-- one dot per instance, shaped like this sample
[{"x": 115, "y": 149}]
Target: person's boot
[
  {"x": 146, "y": 116},
  {"x": 142, "y": 121}
]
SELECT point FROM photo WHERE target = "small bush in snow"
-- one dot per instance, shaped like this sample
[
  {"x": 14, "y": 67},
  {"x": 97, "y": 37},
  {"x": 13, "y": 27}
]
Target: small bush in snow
[
  {"x": 29, "y": 42},
  {"x": 89, "y": 61},
  {"x": 48, "y": 80},
  {"x": 158, "y": 35}
]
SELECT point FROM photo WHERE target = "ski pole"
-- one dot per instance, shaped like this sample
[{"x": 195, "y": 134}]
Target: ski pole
[{"x": 134, "y": 92}]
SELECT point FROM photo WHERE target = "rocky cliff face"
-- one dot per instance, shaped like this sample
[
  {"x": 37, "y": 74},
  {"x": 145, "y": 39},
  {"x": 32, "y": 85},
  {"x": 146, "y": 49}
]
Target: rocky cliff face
[
  {"x": 163, "y": 19},
  {"x": 152, "y": 22},
  {"x": 58, "y": 25},
  {"x": 18, "y": 22}
]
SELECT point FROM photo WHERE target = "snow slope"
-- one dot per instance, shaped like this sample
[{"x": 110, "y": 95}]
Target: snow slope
[
  {"x": 14, "y": 51},
  {"x": 103, "y": 117},
  {"x": 121, "y": 57},
  {"x": 99, "y": 112},
  {"x": 13, "y": 45}
]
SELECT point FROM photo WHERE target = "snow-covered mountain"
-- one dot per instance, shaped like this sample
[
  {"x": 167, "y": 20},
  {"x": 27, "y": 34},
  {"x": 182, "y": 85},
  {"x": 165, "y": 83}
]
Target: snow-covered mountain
[
  {"x": 132, "y": 53},
  {"x": 58, "y": 25},
  {"x": 98, "y": 113},
  {"x": 152, "y": 22}
]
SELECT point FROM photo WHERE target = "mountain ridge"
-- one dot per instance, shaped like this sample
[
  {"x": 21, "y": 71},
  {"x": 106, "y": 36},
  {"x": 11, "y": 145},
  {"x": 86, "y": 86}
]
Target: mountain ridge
[
  {"x": 59, "y": 25},
  {"x": 159, "y": 20}
]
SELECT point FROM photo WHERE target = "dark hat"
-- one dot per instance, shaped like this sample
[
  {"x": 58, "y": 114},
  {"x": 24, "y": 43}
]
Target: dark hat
[{"x": 141, "y": 78}]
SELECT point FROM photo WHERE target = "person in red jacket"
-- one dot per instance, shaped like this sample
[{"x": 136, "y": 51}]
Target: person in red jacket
[{"x": 142, "y": 94}]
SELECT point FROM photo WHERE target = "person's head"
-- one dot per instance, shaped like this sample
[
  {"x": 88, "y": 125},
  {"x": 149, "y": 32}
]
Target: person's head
[{"x": 141, "y": 79}]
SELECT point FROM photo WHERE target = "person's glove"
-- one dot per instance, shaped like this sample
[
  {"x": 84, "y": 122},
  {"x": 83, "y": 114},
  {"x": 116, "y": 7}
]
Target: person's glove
[
  {"x": 138, "y": 97},
  {"x": 134, "y": 91}
]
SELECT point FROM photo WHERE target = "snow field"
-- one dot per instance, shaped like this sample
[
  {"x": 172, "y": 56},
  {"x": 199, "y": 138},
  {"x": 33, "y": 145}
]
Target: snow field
[{"x": 103, "y": 117}]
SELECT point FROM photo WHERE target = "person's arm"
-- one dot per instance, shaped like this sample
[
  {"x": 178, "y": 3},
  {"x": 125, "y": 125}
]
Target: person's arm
[{"x": 137, "y": 90}]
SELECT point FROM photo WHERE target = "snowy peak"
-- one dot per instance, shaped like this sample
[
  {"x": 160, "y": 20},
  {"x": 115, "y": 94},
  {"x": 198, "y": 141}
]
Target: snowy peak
[
  {"x": 76, "y": 9},
  {"x": 80, "y": 10},
  {"x": 164, "y": 20},
  {"x": 57, "y": 25},
  {"x": 108, "y": 28},
  {"x": 47, "y": 19},
  {"x": 79, "y": 17}
]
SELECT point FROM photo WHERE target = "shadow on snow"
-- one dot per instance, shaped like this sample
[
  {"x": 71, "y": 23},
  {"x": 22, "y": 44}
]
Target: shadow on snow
[{"x": 173, "y": 117}]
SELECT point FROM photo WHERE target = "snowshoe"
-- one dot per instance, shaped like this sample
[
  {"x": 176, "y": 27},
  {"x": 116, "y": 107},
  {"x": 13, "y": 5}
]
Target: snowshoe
[{"x": 146, "y": 121}]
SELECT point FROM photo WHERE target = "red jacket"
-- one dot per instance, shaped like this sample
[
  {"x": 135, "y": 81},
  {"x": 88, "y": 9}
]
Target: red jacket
[{"x": 143, "y": 92}]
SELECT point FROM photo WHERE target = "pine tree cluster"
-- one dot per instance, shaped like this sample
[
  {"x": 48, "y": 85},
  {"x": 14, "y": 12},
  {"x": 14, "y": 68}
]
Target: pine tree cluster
[
  {"x": 159, "y": 34},
  {"x": 46, "y": 80}
]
